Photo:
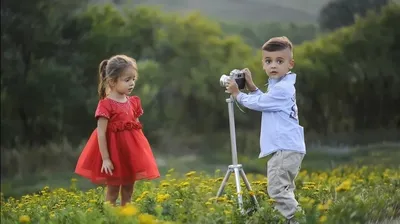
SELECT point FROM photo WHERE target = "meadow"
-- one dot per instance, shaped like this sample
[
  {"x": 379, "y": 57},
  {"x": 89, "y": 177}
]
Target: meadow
[
  {"x": 362, "y": 189},
  {"x": 57, "y": 78}
]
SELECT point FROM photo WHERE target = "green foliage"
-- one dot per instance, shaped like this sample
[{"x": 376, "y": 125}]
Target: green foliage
[
  {"x": 333, "y": 15},
  {"x": 49, "y": 80},
  {"x": 347, "y": 194},
  {"x": 34, "y": 48},
  {"x": 347, "y": 79},
  {"x": 24, "y": 172}
]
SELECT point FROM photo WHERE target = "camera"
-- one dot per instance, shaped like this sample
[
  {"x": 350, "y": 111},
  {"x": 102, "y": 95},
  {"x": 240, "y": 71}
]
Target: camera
[{"x": 235, "y": 74}]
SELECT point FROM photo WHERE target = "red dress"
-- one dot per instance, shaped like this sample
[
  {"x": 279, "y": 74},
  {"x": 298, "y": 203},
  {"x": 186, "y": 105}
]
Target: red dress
[{"x": 129, "y": 150}]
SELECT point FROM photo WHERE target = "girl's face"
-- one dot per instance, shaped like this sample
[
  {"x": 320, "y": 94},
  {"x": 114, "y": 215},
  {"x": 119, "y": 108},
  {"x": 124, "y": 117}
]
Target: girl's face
[{"x": 125, "y": 83}]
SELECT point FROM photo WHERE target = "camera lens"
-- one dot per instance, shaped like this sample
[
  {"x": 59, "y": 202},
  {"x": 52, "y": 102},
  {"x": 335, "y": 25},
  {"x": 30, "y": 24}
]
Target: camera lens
[{"x": 223, "y": 80}]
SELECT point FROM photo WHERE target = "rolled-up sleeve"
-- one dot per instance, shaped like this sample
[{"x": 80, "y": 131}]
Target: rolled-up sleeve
[{"x": 270, "y": 101}]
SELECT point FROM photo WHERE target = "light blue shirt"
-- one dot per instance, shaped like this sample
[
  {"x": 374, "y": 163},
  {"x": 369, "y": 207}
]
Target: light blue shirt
[{"x": 280, "y": 129}]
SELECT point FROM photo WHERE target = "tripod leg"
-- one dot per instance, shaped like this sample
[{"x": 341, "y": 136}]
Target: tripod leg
[
  {"x": 247, "y": 183},
  {"x": 224, "y": 181},
  {"x": 238, "y": 188}
]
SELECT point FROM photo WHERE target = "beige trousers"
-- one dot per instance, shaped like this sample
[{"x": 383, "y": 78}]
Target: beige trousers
[{"x": 282, "y": 170}]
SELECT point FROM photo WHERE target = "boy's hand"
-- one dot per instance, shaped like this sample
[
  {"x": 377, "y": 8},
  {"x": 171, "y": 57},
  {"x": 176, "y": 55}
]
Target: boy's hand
[
  {"x": 232, "y": 88},
  {"x": 249, "y": 80}
]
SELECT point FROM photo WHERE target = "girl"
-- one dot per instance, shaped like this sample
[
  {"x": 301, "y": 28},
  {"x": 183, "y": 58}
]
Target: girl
[{"x": 117, "y": 153}]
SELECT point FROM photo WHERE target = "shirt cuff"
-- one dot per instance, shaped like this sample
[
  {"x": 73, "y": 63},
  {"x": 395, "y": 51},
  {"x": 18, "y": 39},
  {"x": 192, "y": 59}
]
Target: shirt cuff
[
  {"x": 239, "y": 97},
  {"x": 255, "y": 92}
]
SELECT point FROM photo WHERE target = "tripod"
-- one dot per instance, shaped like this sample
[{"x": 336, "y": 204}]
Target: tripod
[{"x": 235, "y": 168}]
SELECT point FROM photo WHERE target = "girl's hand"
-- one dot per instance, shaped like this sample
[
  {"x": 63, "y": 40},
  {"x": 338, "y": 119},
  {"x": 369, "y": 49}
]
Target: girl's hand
[{"x": 107, "y": 166}]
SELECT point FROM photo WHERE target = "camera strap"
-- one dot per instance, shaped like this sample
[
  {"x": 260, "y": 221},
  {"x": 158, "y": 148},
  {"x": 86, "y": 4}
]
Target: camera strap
[{"x": 239, "y": 106}]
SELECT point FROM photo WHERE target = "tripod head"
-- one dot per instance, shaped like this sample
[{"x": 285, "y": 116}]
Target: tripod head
[{"x": 230, "y": 99}]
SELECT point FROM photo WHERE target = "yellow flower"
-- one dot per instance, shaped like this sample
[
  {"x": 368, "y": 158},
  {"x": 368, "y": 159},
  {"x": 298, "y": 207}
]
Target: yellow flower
[
  {"x": 185, "y": 184},
  {"x": 24, "y": 219},
  {"x": 345, "y": 186},
  {"x": 309, "y": 183},
  {"x": 144, "y": 193},
  {"x": 162, "y": 197},
  {"x": 219, "y": 179},
  {"x": 191, "y": 173},
  {"x": 238, "y": 193},
  {"x": 323, "y": 219},
  {"x": 324, "y": 207},
  {"x": 128, "y": 210},
  {"x": 262, "y": 193},
  {"x": 146, "y": 219},
  {"x": 307, "y": 202},
  {"x": 221, "y": 199},
  {"x": 164, "y": 184}
]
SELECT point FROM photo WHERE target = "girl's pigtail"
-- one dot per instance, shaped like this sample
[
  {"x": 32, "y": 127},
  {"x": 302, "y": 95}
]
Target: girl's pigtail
[{"x": 102, "y": 78}]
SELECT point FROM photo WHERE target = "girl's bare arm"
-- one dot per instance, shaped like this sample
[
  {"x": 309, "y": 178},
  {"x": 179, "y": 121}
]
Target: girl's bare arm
[{"x": 101, "y": 133}]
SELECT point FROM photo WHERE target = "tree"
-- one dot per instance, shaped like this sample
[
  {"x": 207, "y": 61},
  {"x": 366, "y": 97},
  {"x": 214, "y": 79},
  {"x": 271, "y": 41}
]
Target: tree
[
  {"x": 348, "y": 79},
  {"x": 340, "y": 13},
  {"x": 34, "y": 49}
]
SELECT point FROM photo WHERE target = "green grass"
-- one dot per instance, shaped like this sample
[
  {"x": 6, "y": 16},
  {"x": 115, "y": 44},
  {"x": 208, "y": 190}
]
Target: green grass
[
  {"x": 316, "y": 159},
  {"x": 347, "y": 194},
  {"x": 21, "y": 185},
  {"x": 326, "y": 158}
]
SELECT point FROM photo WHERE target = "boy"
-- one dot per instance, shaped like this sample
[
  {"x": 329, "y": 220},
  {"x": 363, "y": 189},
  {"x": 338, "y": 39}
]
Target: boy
[{"x": 281, "y": 135}]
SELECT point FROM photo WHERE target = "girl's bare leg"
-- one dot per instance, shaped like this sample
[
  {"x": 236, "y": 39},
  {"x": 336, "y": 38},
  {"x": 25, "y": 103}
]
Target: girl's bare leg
[
  {"x": 126, "y": 194},
  {"x": 112, "y": 194}
]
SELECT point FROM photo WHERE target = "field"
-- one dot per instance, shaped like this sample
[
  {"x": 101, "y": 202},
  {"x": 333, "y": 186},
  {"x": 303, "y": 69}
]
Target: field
[{"x": 346, "y": 194}]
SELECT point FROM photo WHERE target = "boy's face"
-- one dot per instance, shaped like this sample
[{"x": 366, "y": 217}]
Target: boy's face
[{"x": 277, "y": 63}]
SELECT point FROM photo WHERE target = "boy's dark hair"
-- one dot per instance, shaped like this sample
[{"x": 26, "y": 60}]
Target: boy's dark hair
[{"x": 278, "y": 44}]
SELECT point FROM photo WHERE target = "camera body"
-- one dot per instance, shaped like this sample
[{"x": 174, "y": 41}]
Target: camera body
[{"x": 236, "y": 75}]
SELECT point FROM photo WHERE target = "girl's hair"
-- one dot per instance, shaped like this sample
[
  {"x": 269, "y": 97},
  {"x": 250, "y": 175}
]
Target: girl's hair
[{"x": 111, "y": 69}]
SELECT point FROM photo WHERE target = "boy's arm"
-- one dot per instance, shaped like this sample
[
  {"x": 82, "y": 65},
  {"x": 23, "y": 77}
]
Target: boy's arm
[
  {"x": 256, "y": 92},
  {"x": 271, "y": 101}
]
